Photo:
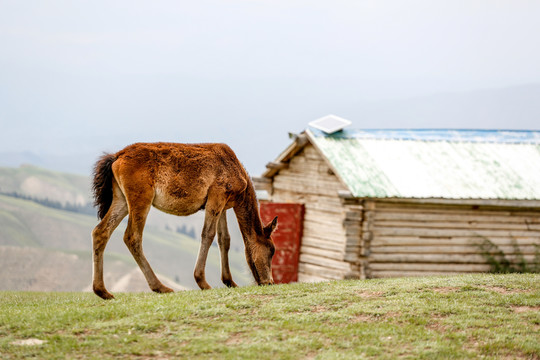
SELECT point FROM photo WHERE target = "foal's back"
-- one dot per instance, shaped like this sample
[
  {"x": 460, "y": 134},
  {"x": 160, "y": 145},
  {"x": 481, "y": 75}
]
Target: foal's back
[{"x": 179, "y": 177}]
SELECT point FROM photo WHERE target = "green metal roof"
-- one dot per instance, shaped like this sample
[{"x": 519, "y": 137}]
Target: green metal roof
[{"x": 445, "y": 164}]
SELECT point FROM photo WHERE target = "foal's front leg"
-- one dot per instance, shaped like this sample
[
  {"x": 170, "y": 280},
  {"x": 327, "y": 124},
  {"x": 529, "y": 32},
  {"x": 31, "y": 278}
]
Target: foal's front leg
[
  {"x": 224, "y": 242},
  {"x": 208, "y": 234}
]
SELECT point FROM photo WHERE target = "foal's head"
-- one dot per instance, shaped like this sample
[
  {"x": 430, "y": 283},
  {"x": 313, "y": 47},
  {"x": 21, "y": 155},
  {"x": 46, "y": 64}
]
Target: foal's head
[{"x": 260, "y": 258}]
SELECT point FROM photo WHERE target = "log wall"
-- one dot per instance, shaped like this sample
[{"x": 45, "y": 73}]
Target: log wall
[{"x": 407, "y": 239}]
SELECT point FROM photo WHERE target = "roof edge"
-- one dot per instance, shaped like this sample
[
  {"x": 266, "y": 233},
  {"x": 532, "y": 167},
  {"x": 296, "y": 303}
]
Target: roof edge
[
  {"x": 272, "y": 168},
  {"x": 525, "y": 137}
]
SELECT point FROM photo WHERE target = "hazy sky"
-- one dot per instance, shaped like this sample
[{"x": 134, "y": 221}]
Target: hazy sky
[{"x": 86, "y": 76}]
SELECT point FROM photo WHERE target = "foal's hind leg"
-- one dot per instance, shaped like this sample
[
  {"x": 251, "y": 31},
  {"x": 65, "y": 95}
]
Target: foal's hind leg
[
  {"x": 139, "y": 207},
  {"x": 101, "y": 235},
  {"x": 224, "y": 242}
]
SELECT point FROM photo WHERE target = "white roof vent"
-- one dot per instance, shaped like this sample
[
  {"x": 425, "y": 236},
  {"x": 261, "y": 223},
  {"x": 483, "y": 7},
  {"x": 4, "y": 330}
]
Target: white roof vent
[{"x": 330, "y": 123}]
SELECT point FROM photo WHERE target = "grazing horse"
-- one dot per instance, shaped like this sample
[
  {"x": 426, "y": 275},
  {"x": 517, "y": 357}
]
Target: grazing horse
[{"x": 179, "y": 179}]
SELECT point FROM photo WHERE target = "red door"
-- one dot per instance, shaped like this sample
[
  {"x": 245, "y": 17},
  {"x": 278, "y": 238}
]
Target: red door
[{"x": 286, "y": 238}]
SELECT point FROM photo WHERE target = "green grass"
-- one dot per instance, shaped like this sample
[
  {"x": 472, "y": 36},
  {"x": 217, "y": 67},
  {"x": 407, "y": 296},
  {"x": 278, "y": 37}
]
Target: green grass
[{"x": 491, "y": 316}]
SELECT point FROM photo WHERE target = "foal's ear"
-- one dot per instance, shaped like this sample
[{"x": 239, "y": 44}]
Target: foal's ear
[{"x": 269, "y": 229}]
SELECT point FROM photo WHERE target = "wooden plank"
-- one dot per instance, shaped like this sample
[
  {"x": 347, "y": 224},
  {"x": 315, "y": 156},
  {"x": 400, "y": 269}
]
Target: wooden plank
[
  {"x": 331, "y": 219},
  {"x": 303, "y": 188},
  {"x": 456, "y": 209},
  {"x": 415, "y": 240},
  {"x": 451, "y": 232},
  {"x": 470, "y": 224},
  {"x": 310, "y": 278},
  {"x": 323, "y": 243},
  {"x": 527, "y": 204},
  {"x": 310, "y": 182},
  {"x": 320, "y": 271},
  {"x": 433, "y": 258},
  {"x": 445, "y": 249},
  {"x": 309, "y": 168},
  {"x": 326, "y": 207},
  {"x": 398, "y": 274},
  {"x": 323, "y": 253},
  {"x": 311, "y": 201},
  {"x": 330, "y": 201},
  {"x": 331, "y": 239},
  {"x": 306, "y": 175},
  {"x": 424, "y": 258},
  {"x": 329, "y": 231},
  {"x": 322, "y": 227},
  {"x": 397, "y": 215},
  {"x": 323, "y": 261},
  {"x": 304, "y": 171},
  {"x": 430, "y": 267},
  {"x": 303, "y": 166},
  {"x": 336, "y": 236}
]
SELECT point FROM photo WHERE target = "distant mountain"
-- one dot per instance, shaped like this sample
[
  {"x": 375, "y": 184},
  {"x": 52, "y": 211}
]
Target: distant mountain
[
  {"x": 74, "y": 163},
  {"x": 38, "y": 240},
  {"x": 516, "y": 107}
]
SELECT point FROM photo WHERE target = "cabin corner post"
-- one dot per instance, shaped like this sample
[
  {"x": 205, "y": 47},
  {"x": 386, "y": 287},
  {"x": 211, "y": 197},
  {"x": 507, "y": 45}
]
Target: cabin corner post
[
  {"x": 364, "y": 256},
  {"x": 358, "y": 237}
]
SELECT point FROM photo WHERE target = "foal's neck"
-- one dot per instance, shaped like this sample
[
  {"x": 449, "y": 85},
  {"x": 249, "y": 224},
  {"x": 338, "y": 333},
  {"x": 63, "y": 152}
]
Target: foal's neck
[{"x": 247, "y": 213}]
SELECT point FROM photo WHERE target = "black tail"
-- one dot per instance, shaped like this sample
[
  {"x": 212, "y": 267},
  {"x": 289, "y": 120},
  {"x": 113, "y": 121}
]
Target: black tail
[{"x": 102, "y": 186}]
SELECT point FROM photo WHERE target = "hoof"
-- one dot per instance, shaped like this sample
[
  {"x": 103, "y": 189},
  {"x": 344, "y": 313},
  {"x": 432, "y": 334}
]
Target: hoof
[
  {"x": 104, "y": 294},
  {"x": 163, "y": 290},
  {"x": 230, "y": 283},
  {"x": 204, "y": 286}
]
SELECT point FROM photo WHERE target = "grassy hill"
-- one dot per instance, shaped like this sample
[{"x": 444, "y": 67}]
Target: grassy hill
[
  {"x": 45, "y": 184},
  {"x": 464, "y": 317}
]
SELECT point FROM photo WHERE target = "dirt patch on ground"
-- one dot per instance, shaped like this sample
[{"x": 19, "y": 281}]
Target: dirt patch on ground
[
  {"x": 319, "y": 308},
  {"x": 363, "y": 318},
  {"x": 445, "y": 289},
  {"x": 263, "y": 297},
  {"x": 436, "y": 323},
  {"x": 392, "y": 315},
  {"x": 523, "y": 309},
  {"x": 375, "y": 317},
  {"x": 502, "y": 290},
  {"x": 438, "y": 327},
  {"x": 235, "y": 339},
  {"x": 369, "y": 294}
]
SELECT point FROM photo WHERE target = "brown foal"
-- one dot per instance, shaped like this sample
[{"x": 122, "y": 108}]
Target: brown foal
[{"x": 179, "y": 179}]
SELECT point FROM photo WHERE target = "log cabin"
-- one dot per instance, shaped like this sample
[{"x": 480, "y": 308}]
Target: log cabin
[{"x": 391, "y": 203}]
